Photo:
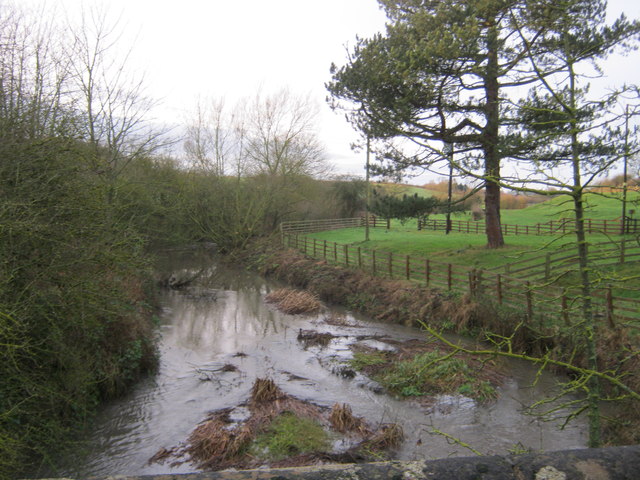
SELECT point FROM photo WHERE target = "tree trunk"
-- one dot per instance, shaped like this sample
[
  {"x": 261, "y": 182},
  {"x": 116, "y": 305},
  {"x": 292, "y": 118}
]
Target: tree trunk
[
  {"x": 492, "y": 215},
  {"x": 491, "y": 153},
  {"x": 593, "y": 384}
]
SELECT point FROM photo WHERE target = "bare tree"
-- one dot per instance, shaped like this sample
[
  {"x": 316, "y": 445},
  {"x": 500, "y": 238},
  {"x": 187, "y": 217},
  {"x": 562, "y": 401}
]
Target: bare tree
[
  {"x": 214, "y": 137},
  {"x": 282, "y": 138},
  {"x": 35, "y": 97},
  {"x": 115, "y": 107}
]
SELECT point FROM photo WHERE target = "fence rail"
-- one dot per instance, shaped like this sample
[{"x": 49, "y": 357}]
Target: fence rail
[
  {"x": 310, "y": 226},
  {"x": 539, "y": 304},
  {"x": 552, "y": 227},
  {"x": 541, "y": 267}
]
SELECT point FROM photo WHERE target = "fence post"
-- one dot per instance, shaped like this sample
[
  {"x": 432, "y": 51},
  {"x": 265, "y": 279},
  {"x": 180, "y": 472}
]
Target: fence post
[
  {"x": 373, "y": 252},
  {"x": 499, "y": 288},
  {"x": 472, "y": 289},
  {"x": 419, "y": 225},
  {"x": 408, "y": 267},
  {"x": 324, "y": 250},
  {"x": 314, "y": 248},
  {"x": 390, "y": 265},
  {"x": 610, "y": 307},
  {"x": 427, "y": 271},
  {"x": 622, "y": 248},
  {"x": 388, "y": 224},
  {"x": 335, "y": 252},
  {"x": 449, "y": 272},
  {"x": 529, "y": 302},
  {"x": 346, "y": 254},
  {"x": 359, "y": 258},
  {"x": 565, "y": 308}
]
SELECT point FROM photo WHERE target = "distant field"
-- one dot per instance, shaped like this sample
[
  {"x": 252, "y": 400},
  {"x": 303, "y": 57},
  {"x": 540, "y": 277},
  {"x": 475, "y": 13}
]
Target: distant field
[
  {"x": 597, "y": 208},
  {"x": 469, "y": 249}
]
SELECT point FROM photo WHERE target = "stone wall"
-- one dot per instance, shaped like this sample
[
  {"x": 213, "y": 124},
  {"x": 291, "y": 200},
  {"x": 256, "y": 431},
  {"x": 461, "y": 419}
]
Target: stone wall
[{"x": 614, "y": 463}]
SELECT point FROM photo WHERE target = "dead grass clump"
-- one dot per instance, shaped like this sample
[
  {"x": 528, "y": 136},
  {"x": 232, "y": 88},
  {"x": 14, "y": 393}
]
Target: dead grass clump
[
  {"x": 340, "y": 320},
  {"x": 388, "y": 436},
  {"x": 162, "y": 455},
  {"x": 268, "y": 401},
  {"x": 214, "y": 445},
  {"x": 210, "y": 439},
  {"x": 219, "y": 443},
  {"x": 343, "y": 420},
  {"x": 310, "y": 338},
  {"x": 265, "y": 390},
  {"x": 294, "y": 302}
]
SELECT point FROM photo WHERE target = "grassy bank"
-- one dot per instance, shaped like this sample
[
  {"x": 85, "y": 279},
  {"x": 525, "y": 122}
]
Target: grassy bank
[{"x": 406, "y": 303}]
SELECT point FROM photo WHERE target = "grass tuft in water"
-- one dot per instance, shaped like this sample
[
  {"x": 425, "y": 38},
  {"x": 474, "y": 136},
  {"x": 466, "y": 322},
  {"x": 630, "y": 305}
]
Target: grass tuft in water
[
  {"x": 289, "y": 435},
  {"x": 361, "y": 360},
  {"x": 431, "y": 374}
]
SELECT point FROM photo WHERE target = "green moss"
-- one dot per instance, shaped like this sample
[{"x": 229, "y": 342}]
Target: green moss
[
  {"x": 290, "y": 435},
  {"x": 430, "y": 374},
  {"x": 362, "y": 360}
]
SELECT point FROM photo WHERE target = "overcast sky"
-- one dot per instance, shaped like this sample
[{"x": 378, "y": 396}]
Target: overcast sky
[{"x": 232, "y": 49}]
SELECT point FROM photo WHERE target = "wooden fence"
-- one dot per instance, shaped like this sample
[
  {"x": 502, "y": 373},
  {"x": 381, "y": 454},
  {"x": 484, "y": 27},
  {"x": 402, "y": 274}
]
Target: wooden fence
[
  {"x": 541, "y": 267},
  {"x": 552, "y": 227},
  {"x": 310, "y": 226},
  {"x": 538, "y": 304}
]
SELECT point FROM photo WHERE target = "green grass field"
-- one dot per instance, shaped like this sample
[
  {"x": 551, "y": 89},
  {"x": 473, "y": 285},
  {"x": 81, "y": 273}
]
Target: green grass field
[
  {"x": 597, "y": 207},
  {"x": 456, "y": 248},
  {"x": 470, "y": 250}
]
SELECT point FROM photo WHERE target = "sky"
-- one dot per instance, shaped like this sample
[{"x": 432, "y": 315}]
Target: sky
[{"x": 233, "y": 49}]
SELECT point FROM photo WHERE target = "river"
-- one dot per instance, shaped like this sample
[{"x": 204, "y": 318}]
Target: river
[{"x": 223, "y": 319}]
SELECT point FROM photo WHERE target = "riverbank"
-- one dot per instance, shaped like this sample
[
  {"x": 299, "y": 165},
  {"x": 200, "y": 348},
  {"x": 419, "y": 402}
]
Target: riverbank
[{"x": 401, "y": 302}]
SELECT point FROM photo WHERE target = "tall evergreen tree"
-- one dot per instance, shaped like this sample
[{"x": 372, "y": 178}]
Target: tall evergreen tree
[
  {"x": 439, "y": 74},
  {"x": 449, "y": 71},
  {"x": 570, "y": 135}
]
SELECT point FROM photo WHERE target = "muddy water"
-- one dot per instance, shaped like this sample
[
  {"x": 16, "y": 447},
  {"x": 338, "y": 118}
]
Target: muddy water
[{"x": 225, "y": 320}]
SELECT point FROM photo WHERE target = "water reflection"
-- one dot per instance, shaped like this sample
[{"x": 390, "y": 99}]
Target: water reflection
[{"x": 225, "y": 321}]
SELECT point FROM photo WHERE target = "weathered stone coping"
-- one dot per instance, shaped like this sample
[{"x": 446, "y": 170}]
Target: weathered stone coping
[{"x": 613, "y": 463}]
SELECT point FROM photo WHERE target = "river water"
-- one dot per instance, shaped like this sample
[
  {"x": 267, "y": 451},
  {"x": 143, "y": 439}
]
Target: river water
[{"x": 224, "y": 319}]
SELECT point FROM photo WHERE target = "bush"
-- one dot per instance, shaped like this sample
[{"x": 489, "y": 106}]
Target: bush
[{"x": 75, "y": 326}]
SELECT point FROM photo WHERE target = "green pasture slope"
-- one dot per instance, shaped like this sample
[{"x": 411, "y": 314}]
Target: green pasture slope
[
  {"x": 597, "y": 207},
  {"x": 470, "y": 249}
]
